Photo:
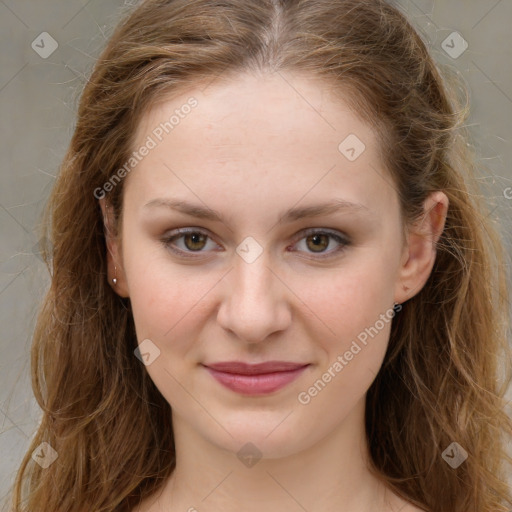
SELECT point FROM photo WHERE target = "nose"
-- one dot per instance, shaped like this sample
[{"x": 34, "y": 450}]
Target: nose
[{"x": 254, "y": 303}]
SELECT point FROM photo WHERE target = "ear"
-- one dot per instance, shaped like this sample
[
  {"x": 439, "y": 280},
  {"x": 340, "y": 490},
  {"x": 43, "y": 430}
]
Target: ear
[
  {"x": 114, "y": 255},
  {"x": 419, "y": 253}
]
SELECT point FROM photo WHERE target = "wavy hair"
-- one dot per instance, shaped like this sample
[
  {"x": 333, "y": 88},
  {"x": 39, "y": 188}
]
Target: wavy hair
[{"x": 441, "y": 380}]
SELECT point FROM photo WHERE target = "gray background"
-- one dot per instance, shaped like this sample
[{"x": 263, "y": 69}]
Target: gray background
[{"x": 38, "y": 99}]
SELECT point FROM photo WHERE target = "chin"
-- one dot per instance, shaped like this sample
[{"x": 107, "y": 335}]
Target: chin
[{"x": 270, "y": 439}]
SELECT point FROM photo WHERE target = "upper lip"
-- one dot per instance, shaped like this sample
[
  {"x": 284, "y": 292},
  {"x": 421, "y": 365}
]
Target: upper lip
[{"x": 241, "y": 368}]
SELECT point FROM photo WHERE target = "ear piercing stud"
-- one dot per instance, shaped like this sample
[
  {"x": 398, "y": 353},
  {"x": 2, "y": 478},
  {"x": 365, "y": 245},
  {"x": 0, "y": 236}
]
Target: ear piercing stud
[{"x": 114, "y": 280}]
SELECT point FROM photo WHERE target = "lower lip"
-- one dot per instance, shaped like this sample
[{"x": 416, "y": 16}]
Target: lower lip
[{"x": 256, "y": 384}]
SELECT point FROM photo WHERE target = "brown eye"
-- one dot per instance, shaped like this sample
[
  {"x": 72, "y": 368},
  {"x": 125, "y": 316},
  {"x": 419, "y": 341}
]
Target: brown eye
[
  {"x": 319, "y": 242},
  {"x": 194, "y": 241}
]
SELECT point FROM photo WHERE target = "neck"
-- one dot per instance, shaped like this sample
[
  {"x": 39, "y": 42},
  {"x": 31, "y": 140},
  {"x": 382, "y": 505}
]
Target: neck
[{"x": 324, "y": 475}]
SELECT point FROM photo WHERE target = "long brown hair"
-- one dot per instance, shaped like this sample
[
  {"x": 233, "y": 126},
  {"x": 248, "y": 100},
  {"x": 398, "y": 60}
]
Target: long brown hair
[{"x": 440, "y": 382}]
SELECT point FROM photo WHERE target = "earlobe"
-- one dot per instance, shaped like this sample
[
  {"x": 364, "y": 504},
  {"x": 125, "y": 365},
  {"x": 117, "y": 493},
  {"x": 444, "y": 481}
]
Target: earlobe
[
  {"x": 419, "y": 253},
  {"x": 114, "y": 261}
]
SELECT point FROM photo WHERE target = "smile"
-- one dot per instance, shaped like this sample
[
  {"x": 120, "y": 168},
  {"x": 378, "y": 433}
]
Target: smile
[{"x": 256, "y": 384}]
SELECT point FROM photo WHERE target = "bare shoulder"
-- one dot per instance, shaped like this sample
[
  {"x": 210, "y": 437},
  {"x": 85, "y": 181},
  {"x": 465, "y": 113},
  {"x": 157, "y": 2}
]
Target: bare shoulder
[
  {"x": 409, "y": 507},
  {"x": 149, "y": 505},
  {"x": 398, "y": 504},
  {"x": 146, "y": 505}
]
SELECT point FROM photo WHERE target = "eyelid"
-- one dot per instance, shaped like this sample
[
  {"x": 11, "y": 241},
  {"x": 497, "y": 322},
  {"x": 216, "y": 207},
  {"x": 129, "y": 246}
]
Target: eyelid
[
  {"x": 338, "y": 236},
  {"x": 177, "y": 234},
  {"x": 323, "y": 231}
]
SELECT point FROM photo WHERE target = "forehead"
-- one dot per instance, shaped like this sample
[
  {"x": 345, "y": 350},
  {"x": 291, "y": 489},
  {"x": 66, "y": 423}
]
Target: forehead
[
  {"x": 282, "y": 134},
  {"x": 281, "y": 105}
]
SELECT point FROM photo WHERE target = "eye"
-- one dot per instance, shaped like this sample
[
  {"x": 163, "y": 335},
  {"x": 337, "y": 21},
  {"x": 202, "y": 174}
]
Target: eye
[
  {"x": 195, "y": 240},
  {"x": 318, "y": 240}
]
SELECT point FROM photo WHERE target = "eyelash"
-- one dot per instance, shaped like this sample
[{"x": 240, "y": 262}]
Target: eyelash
[{"x": 179, "y": 233}]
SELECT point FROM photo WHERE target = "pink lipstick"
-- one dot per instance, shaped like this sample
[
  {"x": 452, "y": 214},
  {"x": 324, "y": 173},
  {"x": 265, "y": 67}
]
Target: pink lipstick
[{"x": 255, "y": 379}]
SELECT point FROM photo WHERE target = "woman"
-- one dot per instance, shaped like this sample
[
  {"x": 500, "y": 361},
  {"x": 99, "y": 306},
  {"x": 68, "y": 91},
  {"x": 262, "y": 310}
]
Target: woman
[{"x": 273, "y": 283}]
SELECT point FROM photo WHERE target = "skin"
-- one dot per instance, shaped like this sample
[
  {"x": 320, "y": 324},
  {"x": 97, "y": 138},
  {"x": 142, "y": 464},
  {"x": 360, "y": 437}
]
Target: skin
[{"x": 254, "y": 147}]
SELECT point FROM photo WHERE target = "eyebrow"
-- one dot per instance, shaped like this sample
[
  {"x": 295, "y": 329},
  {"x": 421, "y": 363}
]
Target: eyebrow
[{"x": 293, "y": 214}]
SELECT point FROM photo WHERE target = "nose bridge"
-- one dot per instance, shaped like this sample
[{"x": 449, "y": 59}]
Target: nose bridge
[{"x": 254, "y": 304}]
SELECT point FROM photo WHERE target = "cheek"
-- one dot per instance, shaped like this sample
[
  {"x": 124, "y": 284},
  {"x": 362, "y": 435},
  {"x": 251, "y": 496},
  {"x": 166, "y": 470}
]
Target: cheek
[
  {"x": 162, "y": 307},
  {"x": 356, "y": 317},
  {"x": 168, "y": 300},
  {"x": 352, "y": 321},
  {"x": 350, "y": 298},
  {"x": 155, "y": 295}
]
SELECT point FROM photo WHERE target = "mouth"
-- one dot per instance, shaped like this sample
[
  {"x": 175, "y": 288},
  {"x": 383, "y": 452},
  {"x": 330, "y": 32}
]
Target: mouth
[{"x": 255, "y": 379}]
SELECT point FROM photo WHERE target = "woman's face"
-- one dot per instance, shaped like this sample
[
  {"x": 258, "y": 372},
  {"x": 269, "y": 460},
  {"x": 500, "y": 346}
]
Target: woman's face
[{"x": 262, "y": 280}]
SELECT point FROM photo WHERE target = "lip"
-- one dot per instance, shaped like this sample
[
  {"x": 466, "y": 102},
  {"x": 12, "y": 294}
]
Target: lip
[
  {"x": 241, "y": 368},
  {"x": 255, "y": 379}
]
